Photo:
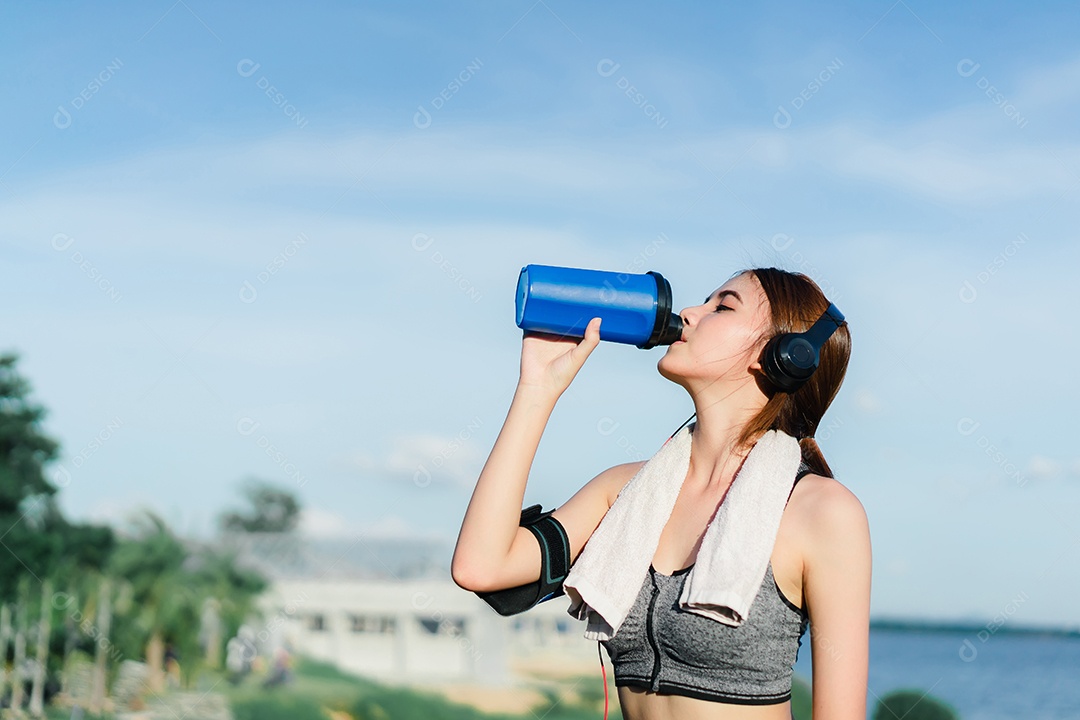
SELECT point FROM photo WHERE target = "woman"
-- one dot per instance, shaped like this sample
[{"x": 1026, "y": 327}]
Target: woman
[{"x": 821, "y": 560}]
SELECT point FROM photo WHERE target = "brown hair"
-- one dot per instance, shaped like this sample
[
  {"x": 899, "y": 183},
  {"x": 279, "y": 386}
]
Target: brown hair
[{"x": 796, "y": 302}]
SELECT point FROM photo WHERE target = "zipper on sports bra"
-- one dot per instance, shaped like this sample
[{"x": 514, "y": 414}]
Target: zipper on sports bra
[{"x": 652, "y": 635}]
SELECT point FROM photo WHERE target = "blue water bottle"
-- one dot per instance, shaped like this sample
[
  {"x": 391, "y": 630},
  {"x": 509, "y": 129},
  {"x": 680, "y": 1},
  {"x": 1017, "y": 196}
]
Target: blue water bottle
[{"x": 634, "y": 308}]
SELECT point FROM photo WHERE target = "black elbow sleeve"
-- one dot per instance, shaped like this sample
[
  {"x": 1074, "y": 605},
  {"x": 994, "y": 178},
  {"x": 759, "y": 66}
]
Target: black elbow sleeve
[{"x": 554, "y": 565}]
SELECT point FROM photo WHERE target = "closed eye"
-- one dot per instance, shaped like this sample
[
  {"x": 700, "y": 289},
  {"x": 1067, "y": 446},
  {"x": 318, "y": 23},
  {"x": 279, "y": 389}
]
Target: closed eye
[{"x": 723, "y": 307}]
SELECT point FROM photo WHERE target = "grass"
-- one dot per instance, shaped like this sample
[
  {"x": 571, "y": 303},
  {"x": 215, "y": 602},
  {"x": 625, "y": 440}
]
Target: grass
[
  {"x": 320, "y": 691},
  {"x": 315, "y": 686}
]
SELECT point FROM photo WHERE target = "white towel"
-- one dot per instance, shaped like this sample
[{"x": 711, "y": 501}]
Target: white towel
[{"x": 608, "y": 573}]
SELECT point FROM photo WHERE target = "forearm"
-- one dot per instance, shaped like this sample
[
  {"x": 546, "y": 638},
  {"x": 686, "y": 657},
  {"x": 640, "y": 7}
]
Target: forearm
[{"x": 492, "y": 517}]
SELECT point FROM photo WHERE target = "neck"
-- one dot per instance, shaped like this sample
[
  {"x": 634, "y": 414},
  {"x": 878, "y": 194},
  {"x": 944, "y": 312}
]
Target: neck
[{"x": 714, "y": 456}]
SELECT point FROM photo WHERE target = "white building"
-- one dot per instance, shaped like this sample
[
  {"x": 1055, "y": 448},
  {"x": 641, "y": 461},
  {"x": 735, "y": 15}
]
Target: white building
[{"x": 390, "y": 610}]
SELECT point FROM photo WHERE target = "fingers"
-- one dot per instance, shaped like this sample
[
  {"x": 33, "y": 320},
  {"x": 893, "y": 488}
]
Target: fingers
[
  {"x": 591, "y": 339},
  {"x": 592, "y": 331}
]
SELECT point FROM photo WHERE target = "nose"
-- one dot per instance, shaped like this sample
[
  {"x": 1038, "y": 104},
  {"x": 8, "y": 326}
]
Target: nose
[
  {"x": 689, "y": 315},
  {"x": 689, "y": 319}
]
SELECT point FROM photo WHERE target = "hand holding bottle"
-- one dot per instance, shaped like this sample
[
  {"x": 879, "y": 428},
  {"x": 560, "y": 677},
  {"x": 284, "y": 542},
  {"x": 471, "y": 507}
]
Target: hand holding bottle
[{"x": 549, "y": 363}]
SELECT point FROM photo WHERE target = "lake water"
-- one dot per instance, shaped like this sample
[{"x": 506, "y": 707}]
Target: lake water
[{"x": 1007, "y": 676}]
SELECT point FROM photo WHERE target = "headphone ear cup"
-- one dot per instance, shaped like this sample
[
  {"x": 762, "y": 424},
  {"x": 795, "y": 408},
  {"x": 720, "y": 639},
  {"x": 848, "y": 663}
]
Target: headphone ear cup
[
  {"x": 770, "y": 363},
  {"x": 788, "y": 361}
]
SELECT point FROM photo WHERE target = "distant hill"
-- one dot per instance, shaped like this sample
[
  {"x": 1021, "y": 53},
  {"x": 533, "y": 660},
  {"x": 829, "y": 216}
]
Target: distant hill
[
  {"x": 968, "y": 627},
  {"x": 291, "y": 556}
]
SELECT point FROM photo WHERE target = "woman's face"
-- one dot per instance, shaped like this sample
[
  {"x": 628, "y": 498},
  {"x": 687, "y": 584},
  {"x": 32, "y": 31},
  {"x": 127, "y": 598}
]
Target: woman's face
[{"x": 722, "y": 337}]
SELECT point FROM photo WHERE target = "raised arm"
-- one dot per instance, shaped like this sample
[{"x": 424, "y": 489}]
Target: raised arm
[{"x": 492, "y": 551}]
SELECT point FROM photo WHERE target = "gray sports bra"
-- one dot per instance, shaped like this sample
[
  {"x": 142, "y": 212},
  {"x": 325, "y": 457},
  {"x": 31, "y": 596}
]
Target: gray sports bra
[{"x": 663, "y": 648}]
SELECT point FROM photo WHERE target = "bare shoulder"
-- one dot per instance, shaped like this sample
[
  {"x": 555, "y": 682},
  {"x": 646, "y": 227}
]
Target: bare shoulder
[
  {"x": 828, "y": 515},
  {"x": 817, "y": 497},
  {"x": 616, "y": 477}
]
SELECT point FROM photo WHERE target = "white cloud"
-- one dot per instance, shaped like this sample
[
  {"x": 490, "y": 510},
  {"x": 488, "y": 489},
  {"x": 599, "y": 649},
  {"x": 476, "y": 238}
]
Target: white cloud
[
  {"x": 393, "y": 527},
  {"x": 241, "y": 201},
  {"x": 1047, "y": 87},
  {"x": 867, "y": 401},
  {"x": 129, "y": 514},
  {"x": 111, "y": 512},
  {"x": 319, "y": 523},
  {"x": 1040, "y": 467},
  {"x": 423, "y": 459},
  {"x": 946, "y": 159}
]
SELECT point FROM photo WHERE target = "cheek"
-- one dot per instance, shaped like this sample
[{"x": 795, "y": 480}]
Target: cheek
[{"x": 733, "y": 345}]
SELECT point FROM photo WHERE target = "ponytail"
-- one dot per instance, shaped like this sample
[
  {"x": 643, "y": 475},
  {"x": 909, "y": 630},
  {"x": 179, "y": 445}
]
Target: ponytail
[{"x": 812, "y": 456}]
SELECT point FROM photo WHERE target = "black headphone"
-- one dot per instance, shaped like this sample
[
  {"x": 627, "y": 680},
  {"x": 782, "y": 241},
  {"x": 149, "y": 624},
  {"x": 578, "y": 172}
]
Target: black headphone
[{"x": 789, "y": 359}]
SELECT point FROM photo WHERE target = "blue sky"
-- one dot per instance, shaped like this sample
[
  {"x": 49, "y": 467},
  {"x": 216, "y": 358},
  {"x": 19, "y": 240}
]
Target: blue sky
[{"x": 283, "y": 242}]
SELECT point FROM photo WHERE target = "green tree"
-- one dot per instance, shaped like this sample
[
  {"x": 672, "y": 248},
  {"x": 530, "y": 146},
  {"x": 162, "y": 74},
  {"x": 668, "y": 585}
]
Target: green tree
[
  {"x": 913, "y": 704},
  {"x": 25, "y": 492},
  {"x": 37, "y": 544},
  {"x": 157, "y": 599},
  {"x": 273, "y": 509},
  {"x": 24, "y": 448},
  {"x": 230, "y": 590},
  {"x": 167, "y": 584},
  {"x": 37, "y": 540},
  {"x": 157, "y": 585}
]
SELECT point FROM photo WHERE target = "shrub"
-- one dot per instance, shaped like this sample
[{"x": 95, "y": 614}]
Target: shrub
[
  {"x": 912, "y": 704},
  {"x": 278, "y": 707},
  {"x": 801, "y": 702},
  {"x": 404, "y": 704}
]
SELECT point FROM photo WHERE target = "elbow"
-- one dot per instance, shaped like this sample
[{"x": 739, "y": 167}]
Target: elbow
[
  {"x": 460, "y": 570},
  {"x": 476, "y": 580},
  {"x": 466, "y": 577},
  {"x": 461, "y": 577}
]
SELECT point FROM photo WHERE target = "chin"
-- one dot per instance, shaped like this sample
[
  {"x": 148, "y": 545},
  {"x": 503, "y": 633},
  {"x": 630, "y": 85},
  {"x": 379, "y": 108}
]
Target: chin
[{"x": 665, "y": 369}]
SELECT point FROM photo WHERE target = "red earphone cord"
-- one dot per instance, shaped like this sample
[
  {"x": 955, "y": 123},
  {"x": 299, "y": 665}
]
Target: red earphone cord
[
  {"x": 603, "y": 674},
  {"x": 599, "y": 651}
]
